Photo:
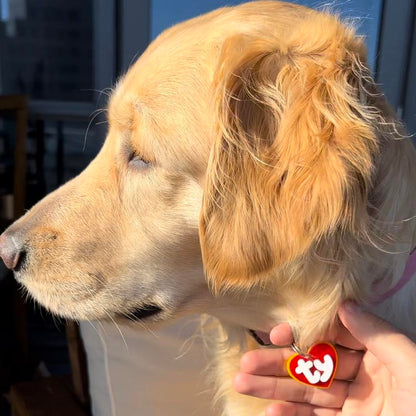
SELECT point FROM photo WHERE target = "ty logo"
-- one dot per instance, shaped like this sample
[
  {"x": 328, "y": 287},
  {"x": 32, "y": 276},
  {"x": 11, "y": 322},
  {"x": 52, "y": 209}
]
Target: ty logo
[{"x": 317, "y": 368}]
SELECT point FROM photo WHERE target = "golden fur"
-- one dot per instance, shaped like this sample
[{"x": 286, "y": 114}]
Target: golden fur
[{"x": 260, "y": 125}]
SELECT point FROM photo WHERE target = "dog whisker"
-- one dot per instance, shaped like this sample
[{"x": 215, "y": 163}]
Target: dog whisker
[
  {"x": 118, "y": 329},
  {"x": 97, "y": 113},
  {"x": 131, "y": 317}
]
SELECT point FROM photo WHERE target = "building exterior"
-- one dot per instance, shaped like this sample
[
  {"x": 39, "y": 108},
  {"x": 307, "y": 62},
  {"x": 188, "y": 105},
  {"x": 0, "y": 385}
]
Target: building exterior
[{"x": 46, "y": 50}]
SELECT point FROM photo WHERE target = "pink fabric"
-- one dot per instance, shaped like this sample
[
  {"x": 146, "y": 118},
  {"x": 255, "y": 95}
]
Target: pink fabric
[{"x": 408, "y": 273}]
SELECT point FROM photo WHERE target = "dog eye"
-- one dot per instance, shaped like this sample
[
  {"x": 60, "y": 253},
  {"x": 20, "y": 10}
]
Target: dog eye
[{"x": 138, "y": 162}]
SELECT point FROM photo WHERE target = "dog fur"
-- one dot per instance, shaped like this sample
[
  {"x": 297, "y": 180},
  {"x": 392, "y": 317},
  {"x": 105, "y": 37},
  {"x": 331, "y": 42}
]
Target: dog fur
[{"x": 252, "y": 171}]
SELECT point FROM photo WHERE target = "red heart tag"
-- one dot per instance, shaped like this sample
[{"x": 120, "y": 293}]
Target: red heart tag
[{"x": 317, "y": 368}]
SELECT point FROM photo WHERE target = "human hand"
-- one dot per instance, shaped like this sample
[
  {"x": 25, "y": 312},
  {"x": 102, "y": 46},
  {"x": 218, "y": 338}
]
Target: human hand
[{"x": 376, "y": 372}]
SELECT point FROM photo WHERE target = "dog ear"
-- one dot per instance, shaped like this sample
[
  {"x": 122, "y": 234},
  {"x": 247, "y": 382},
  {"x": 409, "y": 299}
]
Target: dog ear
[{"x": 293, "y": 156}]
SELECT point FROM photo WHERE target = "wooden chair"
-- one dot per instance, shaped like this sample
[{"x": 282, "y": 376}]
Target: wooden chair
[
  {"x": 15, "y": 107},
  {"x": 78, "y": 360},
  {"x": 63, "y": 395},
  {"x": 59, "y": 395}
]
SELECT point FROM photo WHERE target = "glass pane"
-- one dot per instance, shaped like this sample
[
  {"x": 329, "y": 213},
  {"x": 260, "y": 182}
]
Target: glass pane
[{"x": 46, "y": 49}]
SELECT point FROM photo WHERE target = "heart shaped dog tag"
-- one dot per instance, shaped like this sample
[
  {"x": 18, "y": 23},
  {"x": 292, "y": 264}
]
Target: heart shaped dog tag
[{"x": 317, "y": 368}]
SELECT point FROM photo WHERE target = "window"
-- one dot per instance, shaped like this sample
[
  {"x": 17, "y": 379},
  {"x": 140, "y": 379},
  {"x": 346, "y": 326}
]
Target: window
[{"x": 46, "y": 49}]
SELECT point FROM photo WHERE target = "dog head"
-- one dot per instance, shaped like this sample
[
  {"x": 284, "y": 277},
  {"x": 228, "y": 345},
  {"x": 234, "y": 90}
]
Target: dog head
[{"x": 254, "y": 135}]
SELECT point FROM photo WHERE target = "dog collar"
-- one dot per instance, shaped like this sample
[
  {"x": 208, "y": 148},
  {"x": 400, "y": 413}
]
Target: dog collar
[
  {"x": 262, "y": 338},
  {"x": 409, "y": 272}
]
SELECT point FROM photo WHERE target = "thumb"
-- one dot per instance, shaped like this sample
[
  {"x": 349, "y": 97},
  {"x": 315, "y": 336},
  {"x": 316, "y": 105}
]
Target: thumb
[{"x": 391, "y": 347}]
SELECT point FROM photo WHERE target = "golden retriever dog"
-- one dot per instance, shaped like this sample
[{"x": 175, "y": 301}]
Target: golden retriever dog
[{"x": 252, "y": 171}]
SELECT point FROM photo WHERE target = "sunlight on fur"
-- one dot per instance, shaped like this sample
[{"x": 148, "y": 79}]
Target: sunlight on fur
[{"x": 252, "y": 171}]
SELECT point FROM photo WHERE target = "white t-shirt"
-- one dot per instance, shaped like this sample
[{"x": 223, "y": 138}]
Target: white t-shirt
[{"x": 135, "y": 372}]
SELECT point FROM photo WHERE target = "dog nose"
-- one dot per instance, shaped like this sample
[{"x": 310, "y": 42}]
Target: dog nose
[{"x": 10, "y": 251}]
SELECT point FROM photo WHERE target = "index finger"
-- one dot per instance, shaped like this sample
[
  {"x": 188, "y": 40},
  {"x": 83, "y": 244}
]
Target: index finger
[
  {"x": 281, "y": 335},
  {"x": 347, "y": 340}
]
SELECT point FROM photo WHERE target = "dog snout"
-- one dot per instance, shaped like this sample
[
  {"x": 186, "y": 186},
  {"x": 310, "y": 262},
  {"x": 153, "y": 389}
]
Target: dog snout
[{"x": 11, "y": 251}]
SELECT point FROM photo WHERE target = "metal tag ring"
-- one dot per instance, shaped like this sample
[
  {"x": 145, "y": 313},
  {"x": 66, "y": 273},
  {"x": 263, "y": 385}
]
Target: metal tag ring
[{"x": 297, "y": 350}]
